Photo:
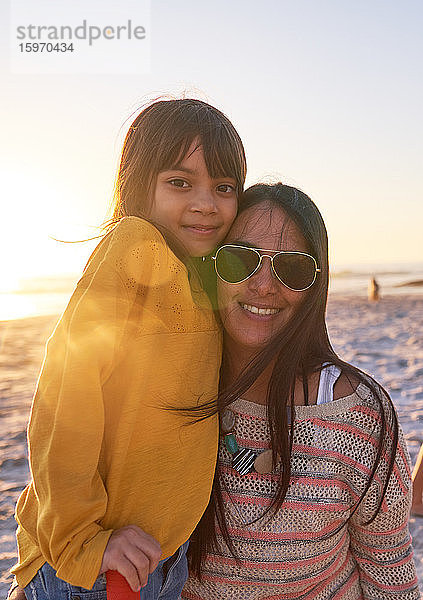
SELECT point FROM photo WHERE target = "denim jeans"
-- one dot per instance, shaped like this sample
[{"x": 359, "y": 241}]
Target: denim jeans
[{"x": 165, "y": 583}]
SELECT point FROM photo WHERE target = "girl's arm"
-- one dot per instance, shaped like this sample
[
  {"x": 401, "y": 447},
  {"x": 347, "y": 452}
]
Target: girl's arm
[{"x": 67, "y": 420}]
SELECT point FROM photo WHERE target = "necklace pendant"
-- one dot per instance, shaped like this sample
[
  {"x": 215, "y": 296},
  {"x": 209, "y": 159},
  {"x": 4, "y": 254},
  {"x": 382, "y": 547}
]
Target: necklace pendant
[
  {"x": 263, "y": 463},
  {"x": 231, "y": 443},
  {"x": 243, "y": 461},
  {"x": 227, "y": 420}
]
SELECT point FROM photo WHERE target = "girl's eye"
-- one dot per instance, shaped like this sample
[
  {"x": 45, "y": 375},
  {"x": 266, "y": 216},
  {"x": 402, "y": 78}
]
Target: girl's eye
[
  {"x": 181, "y": 183},
  {"x": 225, "y": 188}
]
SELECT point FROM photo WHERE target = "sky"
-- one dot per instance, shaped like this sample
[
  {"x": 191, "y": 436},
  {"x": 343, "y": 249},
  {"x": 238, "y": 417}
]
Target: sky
[{"x": 326, "y": 95}]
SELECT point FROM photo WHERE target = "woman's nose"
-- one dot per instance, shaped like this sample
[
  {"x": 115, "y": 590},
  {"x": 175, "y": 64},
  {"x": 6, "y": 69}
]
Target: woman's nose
[{"x": 263, "y": 281}]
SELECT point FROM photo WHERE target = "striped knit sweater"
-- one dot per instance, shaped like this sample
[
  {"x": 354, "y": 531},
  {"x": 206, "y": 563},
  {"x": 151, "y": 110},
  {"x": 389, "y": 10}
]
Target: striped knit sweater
[{"x": 309, "y": 550}]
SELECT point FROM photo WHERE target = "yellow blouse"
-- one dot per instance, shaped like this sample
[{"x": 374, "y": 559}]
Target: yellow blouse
[{"x": 106, "y": 449}]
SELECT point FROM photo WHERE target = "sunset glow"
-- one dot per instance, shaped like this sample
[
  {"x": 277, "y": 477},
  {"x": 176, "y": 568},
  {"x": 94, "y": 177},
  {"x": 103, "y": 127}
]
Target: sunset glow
[{"x": 317, "y": 111}]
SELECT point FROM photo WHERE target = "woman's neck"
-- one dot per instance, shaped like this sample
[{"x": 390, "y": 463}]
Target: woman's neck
[{"x": 238, "y": 358}]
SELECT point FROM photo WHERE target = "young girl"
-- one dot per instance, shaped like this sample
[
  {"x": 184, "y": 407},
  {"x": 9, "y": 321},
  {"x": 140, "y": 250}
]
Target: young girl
[
  {"x": 312, "y": 491},
  {"x": 118, "y": 480}
]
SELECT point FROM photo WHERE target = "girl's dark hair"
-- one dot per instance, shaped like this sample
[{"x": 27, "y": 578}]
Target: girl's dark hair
[
  {"x": 296, "y": 351},
  {"x": 159, "y": 139}
]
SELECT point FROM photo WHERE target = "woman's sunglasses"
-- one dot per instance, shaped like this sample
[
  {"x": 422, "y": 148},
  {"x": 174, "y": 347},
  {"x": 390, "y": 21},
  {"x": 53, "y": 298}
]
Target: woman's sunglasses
[{"x": 295, "y": 270}]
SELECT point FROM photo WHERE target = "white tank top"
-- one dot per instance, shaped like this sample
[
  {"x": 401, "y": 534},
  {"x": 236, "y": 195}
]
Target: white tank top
[{"x": 328, "y": 377}]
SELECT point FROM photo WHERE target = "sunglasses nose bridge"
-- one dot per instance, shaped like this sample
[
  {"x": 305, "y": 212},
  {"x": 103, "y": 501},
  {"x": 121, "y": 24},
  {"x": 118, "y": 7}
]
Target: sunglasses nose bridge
[
  {"x": 267, "y": 271},
  {"x": 271, "y": 267}
]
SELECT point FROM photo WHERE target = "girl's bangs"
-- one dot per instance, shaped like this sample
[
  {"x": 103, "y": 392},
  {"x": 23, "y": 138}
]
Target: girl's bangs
[
  {"x": 224, "y": 157},
  {"x": 223, "y": 151}
]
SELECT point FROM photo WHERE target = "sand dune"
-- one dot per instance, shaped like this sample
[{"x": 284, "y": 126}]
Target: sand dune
[{"x": 385, "y": 339}]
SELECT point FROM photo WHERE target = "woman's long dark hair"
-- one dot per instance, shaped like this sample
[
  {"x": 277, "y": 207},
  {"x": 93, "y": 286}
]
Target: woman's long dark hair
[{"x": 296, "y": 351}]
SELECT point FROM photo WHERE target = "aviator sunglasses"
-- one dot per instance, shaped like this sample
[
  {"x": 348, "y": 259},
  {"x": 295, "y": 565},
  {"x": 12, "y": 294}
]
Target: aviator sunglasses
[{"x": 295, "y": 270}]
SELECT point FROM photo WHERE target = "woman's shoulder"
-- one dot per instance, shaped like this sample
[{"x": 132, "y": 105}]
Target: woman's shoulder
[
  {"x": 353, "y": 383},
  {"x": 346, "y": 385},
  {"x": 352, "y": 393}
]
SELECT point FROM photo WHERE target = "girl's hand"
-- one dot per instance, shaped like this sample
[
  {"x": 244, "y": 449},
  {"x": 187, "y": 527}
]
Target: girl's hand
[
  {"x": 17, "y": 594},
  {"x": 133, "y": 553}
]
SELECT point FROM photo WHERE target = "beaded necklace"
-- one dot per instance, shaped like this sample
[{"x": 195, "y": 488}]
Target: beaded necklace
[{"x": 244, "y": 460}]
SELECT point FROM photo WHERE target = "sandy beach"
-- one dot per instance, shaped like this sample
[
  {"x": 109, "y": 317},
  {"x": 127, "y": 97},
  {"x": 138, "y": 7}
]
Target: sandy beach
[{"x": 385, "y": 339}]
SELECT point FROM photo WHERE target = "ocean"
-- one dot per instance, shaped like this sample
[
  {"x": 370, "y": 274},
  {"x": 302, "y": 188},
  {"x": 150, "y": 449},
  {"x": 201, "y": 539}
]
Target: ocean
[
  {"x": 404, "y": 278},
  {"x": 39, "y": 296}
]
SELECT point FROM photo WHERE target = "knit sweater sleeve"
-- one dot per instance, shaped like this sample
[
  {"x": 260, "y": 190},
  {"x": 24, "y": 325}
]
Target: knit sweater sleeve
[
  {"x": 382, "y": 549},
  {"x": 66, "y": 426}
]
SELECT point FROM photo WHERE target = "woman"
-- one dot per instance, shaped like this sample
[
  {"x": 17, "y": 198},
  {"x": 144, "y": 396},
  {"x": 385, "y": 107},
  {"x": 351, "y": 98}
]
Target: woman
[{"x": 312, "y": 492}]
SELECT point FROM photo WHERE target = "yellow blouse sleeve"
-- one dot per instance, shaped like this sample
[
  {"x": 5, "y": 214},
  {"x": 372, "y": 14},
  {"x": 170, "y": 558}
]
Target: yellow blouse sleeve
[{"x": 67, "y": 420}]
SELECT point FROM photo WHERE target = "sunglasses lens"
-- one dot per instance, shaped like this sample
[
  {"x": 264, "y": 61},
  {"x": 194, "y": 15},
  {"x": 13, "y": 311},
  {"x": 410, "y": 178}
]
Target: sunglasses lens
[
  {"x": 297, "y": 271},
  {"x": 234, "y": 264}
]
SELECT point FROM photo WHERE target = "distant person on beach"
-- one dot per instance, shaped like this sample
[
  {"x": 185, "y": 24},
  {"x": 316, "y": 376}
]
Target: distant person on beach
[
  {"x": 118, "y": 480},
  {"x": 373, "y": 290},
  {"x": 312, "y": 492}
]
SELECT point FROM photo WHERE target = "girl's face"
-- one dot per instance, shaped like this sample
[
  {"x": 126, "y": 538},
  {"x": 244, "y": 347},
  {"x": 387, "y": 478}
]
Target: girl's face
[
  {"x": 254, "y": 310},
  {"x": 197, "y": 209}
]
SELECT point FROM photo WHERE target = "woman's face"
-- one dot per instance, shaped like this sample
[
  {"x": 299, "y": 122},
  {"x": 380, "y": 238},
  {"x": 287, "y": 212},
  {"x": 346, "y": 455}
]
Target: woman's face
[{"x": 242, "y": 306}]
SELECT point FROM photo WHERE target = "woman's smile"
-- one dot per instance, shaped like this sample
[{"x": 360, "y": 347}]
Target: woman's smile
[{"x": 260, "y": 311}]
